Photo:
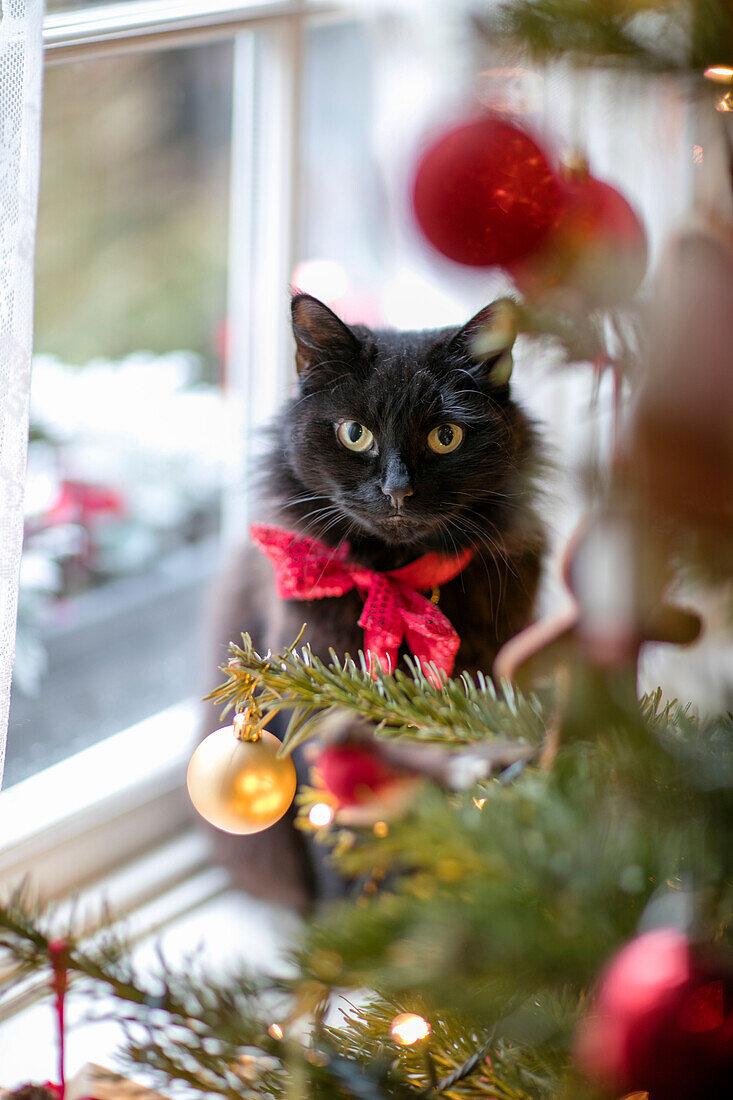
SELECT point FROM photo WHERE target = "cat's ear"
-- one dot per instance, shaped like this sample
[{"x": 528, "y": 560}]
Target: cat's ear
[
  {"x": 322, "y": 340},
  {"x": 484, "y": 345}
]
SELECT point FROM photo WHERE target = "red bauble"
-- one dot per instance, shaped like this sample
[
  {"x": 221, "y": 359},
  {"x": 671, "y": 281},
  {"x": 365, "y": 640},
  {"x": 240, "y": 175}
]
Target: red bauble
[
  {"x": 484, "y": 193},
  {"x": 662, "y": 1021},
  {"x": 353, "y": 775},
  {"x": 597, "y": 247}
]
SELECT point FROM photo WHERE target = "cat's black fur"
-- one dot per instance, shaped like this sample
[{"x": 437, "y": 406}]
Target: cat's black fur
[{"x": 400, "y": 385}]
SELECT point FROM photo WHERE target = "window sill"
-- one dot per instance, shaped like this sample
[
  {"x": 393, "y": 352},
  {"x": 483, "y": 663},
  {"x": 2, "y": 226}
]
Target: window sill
[{"x": 73, "y": 822}]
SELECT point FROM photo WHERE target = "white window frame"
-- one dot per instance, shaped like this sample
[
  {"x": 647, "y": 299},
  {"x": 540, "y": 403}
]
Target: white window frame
[{"x": 128, "y": 790}]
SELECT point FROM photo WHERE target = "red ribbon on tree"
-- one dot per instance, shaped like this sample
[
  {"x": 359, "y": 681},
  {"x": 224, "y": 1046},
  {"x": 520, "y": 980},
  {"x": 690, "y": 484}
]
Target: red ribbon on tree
[
  {"x": 394, "y": 611},
  {"x": 57, "y": 951}
]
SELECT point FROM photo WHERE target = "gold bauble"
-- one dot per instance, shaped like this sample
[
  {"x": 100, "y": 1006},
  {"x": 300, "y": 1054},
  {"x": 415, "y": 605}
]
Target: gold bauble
[{"x": 241, "y": 786}]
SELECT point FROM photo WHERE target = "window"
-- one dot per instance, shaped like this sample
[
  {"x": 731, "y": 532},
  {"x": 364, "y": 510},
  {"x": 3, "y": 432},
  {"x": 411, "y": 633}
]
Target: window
[{"x": 148, "y": 239}]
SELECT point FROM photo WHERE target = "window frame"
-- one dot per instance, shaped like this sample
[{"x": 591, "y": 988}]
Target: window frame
[
  {"x": 129, "y": 788},
  {"x": 158, "y": 24}
]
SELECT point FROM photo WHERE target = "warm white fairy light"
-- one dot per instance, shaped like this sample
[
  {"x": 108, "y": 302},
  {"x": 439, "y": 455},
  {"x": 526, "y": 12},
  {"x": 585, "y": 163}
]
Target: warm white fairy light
[
  {"x": 320, "y": 814},
  {"x": 721, "y": 74},
  {"x": 275, "y": 1031},
  {"x": 408, "y": 1028}
]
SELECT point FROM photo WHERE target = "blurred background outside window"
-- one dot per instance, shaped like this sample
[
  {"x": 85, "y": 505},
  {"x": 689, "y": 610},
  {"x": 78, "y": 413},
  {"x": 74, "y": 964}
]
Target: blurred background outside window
[{"x": 129, "y": 422}]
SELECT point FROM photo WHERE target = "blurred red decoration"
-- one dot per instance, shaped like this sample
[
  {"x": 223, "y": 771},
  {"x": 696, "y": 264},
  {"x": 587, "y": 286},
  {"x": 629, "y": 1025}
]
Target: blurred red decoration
[
  {"x": 79, "y": 502},
  {"x": 662, "y": 1021},
  {"x": 353, "y": 775},
  {"x": 484, "y": 193},
  {"x": 597, "y": 247}
]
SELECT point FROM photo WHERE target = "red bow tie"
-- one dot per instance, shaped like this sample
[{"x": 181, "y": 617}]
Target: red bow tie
[{"x": 394, "y": 611}]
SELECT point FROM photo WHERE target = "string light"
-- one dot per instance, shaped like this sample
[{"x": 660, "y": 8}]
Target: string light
[
  {"x": 721, "y": 74},
  {"x": 381, "y": 828},
  {"x": 320, "y": 814},
  {"x": 725, "y": 103},
  {"x": 408, "y": 1028},
  {"x": 275, "y": 1031},
  {"x": 479, "y": 803}
]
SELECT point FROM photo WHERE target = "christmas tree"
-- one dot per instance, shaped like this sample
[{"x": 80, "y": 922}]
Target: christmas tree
[{"x": 541, "y": 862}]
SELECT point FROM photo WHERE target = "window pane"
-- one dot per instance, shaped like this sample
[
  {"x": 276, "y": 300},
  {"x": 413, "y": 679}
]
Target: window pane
[
  {"x": 126, "y": 460},
  {"x": 372, "y": 89}
]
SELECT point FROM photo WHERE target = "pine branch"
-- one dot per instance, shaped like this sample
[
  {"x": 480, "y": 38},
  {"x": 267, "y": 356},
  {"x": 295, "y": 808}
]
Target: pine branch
[
  {"x": 189, "y": 1029},
  {"x": 681, "y": 36},
  {"x": 458, "y": 712},
  {"x": 564, "y": 861},
  {"x": 468, "y": 1064},
  {"x": 496, "y": 911},
  {"x": 195, "y": 1026}
]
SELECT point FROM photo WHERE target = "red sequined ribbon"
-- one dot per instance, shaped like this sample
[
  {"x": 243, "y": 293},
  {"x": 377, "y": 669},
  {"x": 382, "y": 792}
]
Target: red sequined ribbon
[
  {"x": 59, "y": 983},
  {"x": 394, "y": 611}
]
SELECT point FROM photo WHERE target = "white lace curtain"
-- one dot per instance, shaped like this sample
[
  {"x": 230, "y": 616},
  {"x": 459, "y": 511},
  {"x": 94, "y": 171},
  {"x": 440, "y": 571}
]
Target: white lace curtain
[{"x": 21, "y": 61}]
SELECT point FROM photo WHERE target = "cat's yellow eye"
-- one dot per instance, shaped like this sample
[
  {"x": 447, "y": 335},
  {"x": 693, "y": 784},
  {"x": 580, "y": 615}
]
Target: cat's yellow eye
[
  {"x": 445, "y": 438},
  {"x": 354, "y": 435}
]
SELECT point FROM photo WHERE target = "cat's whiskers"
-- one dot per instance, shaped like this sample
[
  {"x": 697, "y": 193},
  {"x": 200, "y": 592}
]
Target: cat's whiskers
[
  {"x": 350, "y": 527},
  {"x": 476, "y": 525},
  {"x": 449, "y": 522},
  {"x": 494, "y": 559},
  {"x": 511, "y": 568},
  {"x": 291, "y": 501},
  {"x": 484, "y": 495},
  {"x": 315, "y": 512},
  {"x": 314, "y": 521},
  {"x": 504, "y": 553},
  {"x": 317, "y": 519},
  {"x": 496, "y": 545},
  {"x": 337, "y": 518},
  {"x": 339, "y": 515},
  {"x": 443, "y": 526}
]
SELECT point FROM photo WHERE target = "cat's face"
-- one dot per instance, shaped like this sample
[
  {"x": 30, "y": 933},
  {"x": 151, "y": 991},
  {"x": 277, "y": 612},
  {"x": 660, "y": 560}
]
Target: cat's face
[{"x": 408, "y": 438}]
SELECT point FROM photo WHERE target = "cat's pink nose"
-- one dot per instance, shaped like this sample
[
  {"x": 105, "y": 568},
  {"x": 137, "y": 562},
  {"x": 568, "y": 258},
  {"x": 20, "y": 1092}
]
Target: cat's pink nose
[{"x": 397, "y": 496}]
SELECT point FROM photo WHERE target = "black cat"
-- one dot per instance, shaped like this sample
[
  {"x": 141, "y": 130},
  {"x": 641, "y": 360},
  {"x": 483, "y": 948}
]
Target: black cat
[{"x": 398, "y": 444}]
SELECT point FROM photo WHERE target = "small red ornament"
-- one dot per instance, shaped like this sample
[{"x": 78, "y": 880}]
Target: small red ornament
[
  {"x": 662, "y": 1021},
  {"x": 597, "y": 247},
  {"x": 353, "y": 774},
  {"x": 484, "y": 193}
]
